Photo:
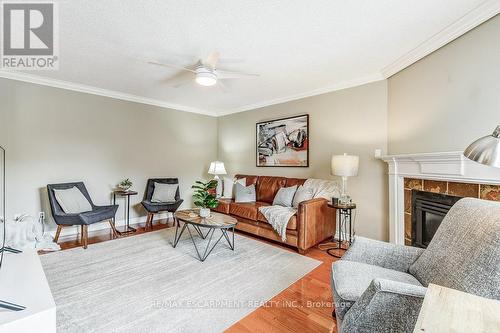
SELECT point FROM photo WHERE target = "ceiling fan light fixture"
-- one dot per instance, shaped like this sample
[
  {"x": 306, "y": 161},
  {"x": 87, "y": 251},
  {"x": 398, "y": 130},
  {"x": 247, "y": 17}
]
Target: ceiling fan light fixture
[{"x": 206, "y": 78}]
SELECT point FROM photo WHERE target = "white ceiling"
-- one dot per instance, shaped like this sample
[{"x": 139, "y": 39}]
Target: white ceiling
[{"x": 299, "y": 48}]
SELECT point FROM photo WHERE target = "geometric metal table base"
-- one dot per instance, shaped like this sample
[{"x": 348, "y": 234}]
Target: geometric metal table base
[{"x": 209, "y": 234}]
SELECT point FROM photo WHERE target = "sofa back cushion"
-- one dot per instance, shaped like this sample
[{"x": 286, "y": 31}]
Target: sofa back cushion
[
  {"x": 294, "y": 181},
  {"x": 267, "y": 187},
  {"x": 464, "y": 254},
  {"x": 250, "y": 179}
]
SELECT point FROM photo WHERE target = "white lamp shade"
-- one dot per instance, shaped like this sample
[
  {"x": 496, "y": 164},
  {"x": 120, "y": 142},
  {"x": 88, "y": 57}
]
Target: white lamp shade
[
  {"x": 217, "y": 168},
  {"x": 345, "y": 165}
]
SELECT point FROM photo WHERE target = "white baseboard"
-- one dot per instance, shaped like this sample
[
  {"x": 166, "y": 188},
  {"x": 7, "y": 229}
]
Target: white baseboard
[{"x": 70, "y": 232}]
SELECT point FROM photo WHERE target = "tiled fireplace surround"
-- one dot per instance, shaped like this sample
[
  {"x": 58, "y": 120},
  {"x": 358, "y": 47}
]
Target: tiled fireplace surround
[
  {"x": 447, "y": 173},
  {"x": 482, "y": 191}
]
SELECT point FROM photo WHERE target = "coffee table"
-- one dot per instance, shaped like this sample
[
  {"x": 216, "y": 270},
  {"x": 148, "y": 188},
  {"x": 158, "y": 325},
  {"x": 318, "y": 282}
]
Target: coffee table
[{"x": 216, "y": 221}]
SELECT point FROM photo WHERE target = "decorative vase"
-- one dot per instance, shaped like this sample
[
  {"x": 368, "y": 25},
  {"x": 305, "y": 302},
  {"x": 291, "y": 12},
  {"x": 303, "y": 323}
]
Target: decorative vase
[
  {"x": 204, "y": 212},
  {"x": 125, "y": 188}
]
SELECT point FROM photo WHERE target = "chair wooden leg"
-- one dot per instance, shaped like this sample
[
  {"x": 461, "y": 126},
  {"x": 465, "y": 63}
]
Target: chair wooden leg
[
  {"x": 113, "y": 228},
  {"x": 85, "y": 236},
  {"x": 151, "y": 221},
  {"x": 81, "y": 234},
  {"x": 58, "y": 232}
]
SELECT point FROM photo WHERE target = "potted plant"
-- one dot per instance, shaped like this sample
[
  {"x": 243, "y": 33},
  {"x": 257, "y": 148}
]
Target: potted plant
[
  {"x": 125, "y": 184},
  {"x": 204, "y": 196}
]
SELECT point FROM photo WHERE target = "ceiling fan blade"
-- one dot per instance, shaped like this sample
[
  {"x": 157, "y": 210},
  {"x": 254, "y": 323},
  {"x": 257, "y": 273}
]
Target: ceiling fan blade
[
  {"x": 222, "y": 86},
  {"x": 182, "y": 83},
  {"x": 171, "y": 66},
  {"x": 230, "y": 61},
  {"x": 179, "y": 77},
  {"x": 224, "y": 74},
  {"x": 212, "y": 60}
]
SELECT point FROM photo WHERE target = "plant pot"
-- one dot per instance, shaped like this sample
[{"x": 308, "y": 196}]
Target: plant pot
[{"x": 204, "y": 212}]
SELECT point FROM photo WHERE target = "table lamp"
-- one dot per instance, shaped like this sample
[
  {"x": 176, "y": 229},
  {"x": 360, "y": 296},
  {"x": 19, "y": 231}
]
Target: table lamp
[
  {"x": 486, "y": 150},
  {"x": 217, "y": 168},
  {"x": 344, "y": 166}
]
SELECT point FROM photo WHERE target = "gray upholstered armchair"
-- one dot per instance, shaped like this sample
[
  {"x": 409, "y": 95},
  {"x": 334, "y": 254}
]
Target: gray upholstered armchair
[
  {"x": 157, "y": 207},
  {"x": 97, "y": 214},
  {"x": 379, "y": 287}
]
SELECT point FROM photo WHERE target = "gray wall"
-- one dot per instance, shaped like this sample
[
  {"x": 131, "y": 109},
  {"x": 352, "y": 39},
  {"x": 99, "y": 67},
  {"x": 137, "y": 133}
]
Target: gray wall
[
  {"x": 54, "y": 135},
  {"x": 352, "y": 121},
  {"x": 440, "y": 103},
  {"x": 450, "y": 98}
]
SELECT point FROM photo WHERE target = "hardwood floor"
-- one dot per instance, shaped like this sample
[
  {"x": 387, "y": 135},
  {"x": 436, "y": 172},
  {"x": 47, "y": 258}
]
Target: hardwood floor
[{"x": 305, "y": 306}]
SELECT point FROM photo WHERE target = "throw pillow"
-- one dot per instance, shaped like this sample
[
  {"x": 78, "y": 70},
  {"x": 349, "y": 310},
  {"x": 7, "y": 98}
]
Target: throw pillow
[
  {"x": 72, "y": 201},
  {"x": 284, "y": 197},
  {"x": 164, "y": 192},
  {"x": 303, "y": 193},
  {"x": 229, "y": 183},
  {"x": 244, "y": 193}
]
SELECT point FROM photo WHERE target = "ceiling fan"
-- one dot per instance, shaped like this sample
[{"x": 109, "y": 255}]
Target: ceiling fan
[{"x": 206, "y": 72}]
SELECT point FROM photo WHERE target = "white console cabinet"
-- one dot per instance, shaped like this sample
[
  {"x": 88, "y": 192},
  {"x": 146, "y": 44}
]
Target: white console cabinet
[{"x": 22, "y": 281}]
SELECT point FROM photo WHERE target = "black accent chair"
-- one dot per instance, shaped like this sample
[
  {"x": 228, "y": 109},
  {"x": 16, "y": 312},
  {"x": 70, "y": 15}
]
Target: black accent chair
[
  {"x": 97, "y": 214},
  {"x": 157, "y": 207}
]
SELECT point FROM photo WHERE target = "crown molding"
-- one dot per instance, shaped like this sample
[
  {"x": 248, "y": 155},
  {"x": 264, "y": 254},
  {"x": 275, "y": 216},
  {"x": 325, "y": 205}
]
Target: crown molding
[
  {"x": 338, "y": 86},
  {"x": 18, "y": 76},
  {"x": 469, "y": 21},
  {"x": 99, "y": 91}
]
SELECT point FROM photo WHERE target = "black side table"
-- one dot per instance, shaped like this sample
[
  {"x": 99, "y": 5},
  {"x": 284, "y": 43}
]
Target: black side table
[
  {"x": 344, "y": 213},
  {"x": 127, "y": 194}
]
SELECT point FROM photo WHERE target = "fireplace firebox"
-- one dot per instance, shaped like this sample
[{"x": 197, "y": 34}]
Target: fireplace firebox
[{"x": 428, "y": 210}]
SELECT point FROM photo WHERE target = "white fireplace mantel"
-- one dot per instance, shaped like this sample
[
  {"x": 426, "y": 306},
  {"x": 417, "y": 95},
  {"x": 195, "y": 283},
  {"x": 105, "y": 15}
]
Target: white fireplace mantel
[{"x": 449, "y": 166}]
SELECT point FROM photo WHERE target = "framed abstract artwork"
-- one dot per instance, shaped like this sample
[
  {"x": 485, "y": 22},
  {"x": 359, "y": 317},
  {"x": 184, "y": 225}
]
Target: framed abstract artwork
[{"x": 283, "y": 142}]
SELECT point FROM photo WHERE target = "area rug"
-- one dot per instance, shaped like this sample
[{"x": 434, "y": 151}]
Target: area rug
[{"x": 143, "y": 284}]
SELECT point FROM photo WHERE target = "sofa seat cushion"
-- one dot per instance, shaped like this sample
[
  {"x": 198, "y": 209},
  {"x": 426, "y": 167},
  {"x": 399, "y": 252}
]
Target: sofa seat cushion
[
  {"x": 246, "y": 210},
  {"x": 292, "y": 223},
  {"x": 156, "y": 207},
  {"x": 223, "y": 206},
  {"x": 100, "y": 213},
  {"x": 260, "y": 227},
  {"x": 350, "y": 279}
]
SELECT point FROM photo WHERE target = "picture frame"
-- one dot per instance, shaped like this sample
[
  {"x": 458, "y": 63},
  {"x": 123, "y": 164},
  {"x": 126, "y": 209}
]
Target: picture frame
[{"x": 283, "y": 142}]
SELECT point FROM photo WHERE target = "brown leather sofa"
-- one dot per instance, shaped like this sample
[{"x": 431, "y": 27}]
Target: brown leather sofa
[{"x": 313, "y": 223}]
